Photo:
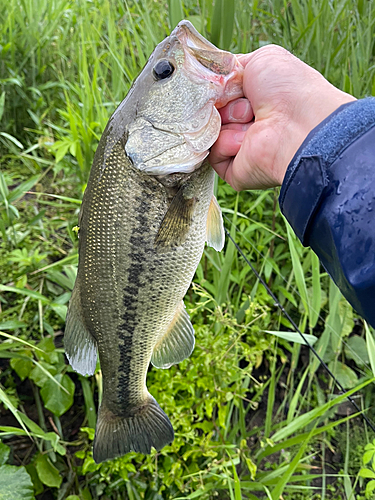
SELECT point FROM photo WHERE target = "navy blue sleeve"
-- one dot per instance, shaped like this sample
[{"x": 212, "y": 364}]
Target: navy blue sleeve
[{"x": 328, "y": 197}]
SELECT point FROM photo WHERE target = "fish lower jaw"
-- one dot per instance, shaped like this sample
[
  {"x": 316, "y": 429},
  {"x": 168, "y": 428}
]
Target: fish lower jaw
[{"x": 232, "y": 87}]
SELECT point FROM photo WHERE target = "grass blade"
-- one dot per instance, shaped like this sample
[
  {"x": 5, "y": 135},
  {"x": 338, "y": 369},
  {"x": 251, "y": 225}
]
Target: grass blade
[
  {"x": 370, "y": 342},
  {"x": 176, "y": 12}
]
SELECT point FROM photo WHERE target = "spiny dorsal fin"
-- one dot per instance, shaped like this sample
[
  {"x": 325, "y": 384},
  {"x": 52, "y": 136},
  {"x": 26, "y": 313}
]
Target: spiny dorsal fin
[
  {"x": 177, "y": 343},
  {"x": 176, "y": 223},
  {"x": 215, "y": 235},
  {"x": 80, "y": 345}
]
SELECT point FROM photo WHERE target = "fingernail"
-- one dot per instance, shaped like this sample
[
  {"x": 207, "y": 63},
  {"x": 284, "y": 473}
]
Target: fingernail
[
  {"x": 239, "y": 109},
  {"x": 239, "y": 137}
]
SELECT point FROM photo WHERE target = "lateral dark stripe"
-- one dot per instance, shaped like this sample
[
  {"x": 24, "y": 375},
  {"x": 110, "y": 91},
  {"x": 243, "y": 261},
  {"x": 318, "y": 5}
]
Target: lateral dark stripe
[{"x": 138, "y": 249}]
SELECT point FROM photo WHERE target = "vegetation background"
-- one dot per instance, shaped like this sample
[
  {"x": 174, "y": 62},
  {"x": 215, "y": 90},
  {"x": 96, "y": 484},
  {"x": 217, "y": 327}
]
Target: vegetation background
[{"x": 255, "y": 415}]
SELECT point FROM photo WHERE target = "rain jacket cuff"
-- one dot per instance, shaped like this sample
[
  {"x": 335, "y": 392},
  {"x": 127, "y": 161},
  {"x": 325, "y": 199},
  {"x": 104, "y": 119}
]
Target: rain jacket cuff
[
  {"x": 328, "y": 197},
  {"x": 308, "y": 178}
]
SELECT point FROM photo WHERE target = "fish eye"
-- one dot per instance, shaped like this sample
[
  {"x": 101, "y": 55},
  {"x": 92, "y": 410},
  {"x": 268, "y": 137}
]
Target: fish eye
[{"x": 163, "y": 69}]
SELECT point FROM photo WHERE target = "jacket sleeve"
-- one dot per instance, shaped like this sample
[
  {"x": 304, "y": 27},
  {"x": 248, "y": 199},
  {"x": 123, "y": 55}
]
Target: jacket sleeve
[{"x": 328, "y": 197}]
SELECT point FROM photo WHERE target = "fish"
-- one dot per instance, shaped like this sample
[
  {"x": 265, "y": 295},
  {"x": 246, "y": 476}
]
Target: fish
[{"x": 146, "y": 214}]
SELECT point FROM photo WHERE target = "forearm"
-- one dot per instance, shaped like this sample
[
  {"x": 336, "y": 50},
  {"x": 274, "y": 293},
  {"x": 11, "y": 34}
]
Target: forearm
[{"x": 328, "y": 197}]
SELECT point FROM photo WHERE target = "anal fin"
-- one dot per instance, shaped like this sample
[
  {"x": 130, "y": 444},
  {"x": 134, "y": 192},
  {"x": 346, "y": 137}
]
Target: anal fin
[
  {"x": 215, "y": 235},
  {"x": 80, "y": 345},
  {"x": 177, "y": 343}
]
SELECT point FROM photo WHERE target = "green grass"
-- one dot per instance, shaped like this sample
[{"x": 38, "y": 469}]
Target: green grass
[{"x": 254, "y": 415}]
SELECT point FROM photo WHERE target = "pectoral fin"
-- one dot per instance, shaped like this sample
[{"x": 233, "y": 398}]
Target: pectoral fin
[
  {"x": 215, "y": 235},
  {"x": 177, "y": 343},
  {"x": 80, "y": 345},
  {"x": 176, "y": 223}
]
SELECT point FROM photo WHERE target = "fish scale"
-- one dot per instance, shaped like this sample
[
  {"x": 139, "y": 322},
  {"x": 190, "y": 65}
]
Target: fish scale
[
  {"x": 145, "y": 272},
  {"x": 147, "y": 212}
]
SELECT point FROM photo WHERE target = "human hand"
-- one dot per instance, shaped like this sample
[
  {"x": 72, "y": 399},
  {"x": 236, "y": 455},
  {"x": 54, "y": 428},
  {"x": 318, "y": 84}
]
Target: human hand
[{"x": 284, "y": 100}]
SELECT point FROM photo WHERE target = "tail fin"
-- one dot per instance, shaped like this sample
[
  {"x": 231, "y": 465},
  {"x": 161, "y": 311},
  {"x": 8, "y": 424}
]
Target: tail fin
[{"x": 115, "y": 435}]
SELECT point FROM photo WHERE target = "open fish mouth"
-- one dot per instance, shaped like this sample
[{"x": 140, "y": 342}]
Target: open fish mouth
[{"x": 222, "y": 67}]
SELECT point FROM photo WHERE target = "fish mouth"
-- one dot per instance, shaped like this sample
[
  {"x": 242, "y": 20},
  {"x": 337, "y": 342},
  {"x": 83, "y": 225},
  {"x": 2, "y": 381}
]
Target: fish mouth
[{"x": 205, "y": 61}]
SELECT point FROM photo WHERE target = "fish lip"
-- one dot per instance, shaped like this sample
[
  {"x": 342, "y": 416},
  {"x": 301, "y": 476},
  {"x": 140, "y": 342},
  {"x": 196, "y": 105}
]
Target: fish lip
[
  {"x": 205, "y": 61},
  {"x": 188, "y": 35}
]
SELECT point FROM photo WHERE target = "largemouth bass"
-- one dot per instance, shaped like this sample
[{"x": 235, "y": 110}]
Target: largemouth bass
[{"x": 146, "y": 214}]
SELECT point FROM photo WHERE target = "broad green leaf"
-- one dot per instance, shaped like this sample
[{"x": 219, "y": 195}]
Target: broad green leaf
[
  {"x": 55, "y": 399},
  {"x": 370, "y": 487},
  {"x": 34, "y": 427},
  {"x": 47, "y": 472},
  {"x": 295, "y": 337},
  {"x": 4, "y": 453},
  {"x": 15, "y": 483},
  {"x": 365, "y": 472},
  {"x": 345, "y": 375},
  {"x": 37, "y": 483},
  {"x": 367, "y": 456},
  {"x": 21, "y": 366},
  {"x": 90, "y": 432},
  {"x": 39, "y": 376},
  {"x": 48, "y": 350},
  {"x": 356, "y": 350}
]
